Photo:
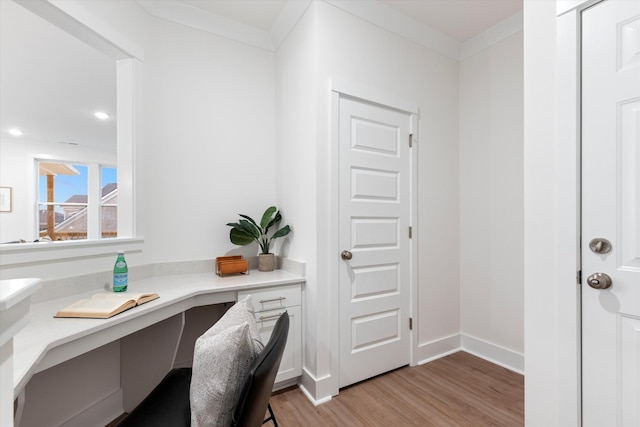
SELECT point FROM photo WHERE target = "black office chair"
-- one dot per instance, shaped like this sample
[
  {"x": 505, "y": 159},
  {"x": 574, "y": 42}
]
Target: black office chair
[
  {"x": 255, "y": 394},
  {"x": 168, "y": 404}
]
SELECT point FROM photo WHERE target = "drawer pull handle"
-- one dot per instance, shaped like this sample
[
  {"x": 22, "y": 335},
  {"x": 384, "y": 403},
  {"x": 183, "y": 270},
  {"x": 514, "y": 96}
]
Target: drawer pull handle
[
  {"x": 262, "y": 301},
  {"x": 273, "y": 316}
]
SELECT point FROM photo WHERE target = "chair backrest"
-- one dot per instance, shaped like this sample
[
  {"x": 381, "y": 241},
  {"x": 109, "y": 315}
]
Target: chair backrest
[{"x": 256, "y": 391}]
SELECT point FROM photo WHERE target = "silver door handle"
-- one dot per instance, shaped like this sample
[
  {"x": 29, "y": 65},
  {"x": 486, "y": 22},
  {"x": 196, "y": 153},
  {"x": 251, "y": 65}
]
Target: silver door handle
[
  {"x": 600, "y": 245},
  {"x": 599, "y": 281},
  {"x": 346, "y": 255}
]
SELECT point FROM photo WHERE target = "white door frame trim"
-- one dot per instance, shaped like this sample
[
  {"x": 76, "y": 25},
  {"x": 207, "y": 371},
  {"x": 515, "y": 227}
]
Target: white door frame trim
[
  {"x": 568, "y": 153},
  {"x": 341, "y": 88}
]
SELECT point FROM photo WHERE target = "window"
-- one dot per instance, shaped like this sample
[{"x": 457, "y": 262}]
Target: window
[
  {"x": 77, "y": 201},
  {"x": 109, "y": 203}
]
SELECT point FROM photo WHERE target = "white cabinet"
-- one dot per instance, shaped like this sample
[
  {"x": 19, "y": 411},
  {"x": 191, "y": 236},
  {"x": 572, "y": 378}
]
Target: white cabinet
[{"x": 269, "y": 304}]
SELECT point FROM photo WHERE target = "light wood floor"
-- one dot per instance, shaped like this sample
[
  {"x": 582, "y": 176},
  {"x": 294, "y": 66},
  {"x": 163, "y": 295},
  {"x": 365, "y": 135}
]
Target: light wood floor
[{"x": 457, "y": 390}]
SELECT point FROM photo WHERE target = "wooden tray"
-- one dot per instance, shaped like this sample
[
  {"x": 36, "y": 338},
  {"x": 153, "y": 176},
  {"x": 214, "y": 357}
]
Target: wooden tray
[{"x": 235, "y": 264}]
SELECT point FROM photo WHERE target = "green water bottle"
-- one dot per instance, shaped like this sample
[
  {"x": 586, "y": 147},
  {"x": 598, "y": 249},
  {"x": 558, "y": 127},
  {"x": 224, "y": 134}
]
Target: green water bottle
[{"x": 120, "y": 274}]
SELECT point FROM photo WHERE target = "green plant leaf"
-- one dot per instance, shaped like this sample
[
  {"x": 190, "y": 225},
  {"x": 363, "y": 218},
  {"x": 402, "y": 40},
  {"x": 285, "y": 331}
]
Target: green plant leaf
[
  {"x": 275, "y": 220},
  {"x": 239, "y": 237},
  {"x": 266, "y": 217},
  {"x": 248, "y": 218},
  {"x": 282, "y": 232},
  {"x": 249, "y": 228}
]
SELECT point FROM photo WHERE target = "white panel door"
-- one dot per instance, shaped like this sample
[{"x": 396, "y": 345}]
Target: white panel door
[
  {"x": 374, "y": 229},
  {"x": 611, "y": 210}
]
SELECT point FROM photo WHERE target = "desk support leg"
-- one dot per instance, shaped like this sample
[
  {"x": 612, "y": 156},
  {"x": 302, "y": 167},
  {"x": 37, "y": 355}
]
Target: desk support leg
[
  {"x": 6, "y": 385},
  {"x": 145, "y": 358},
  {"x": 178, "y": 339},
  {"x": 17, "y": 417}
]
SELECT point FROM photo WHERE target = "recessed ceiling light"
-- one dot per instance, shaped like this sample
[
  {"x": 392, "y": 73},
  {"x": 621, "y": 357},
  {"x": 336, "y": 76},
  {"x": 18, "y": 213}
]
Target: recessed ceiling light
[
  {"x": 16, "y": 132},
  {"x": 101, "y": 115}
]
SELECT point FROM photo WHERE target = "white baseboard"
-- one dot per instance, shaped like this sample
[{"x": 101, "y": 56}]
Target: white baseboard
[
  {"x": 318, "y": 391},
  {"x": 99, "y": 414},
  {"x": 490, "y": 352},
  {"x": 436, "y": 349},
  {"x": 313, "y": 388},
  {"x": 493, "y": 353},
  {"x": 285, "y": 384},
  {"x": 313, "y": 401}
]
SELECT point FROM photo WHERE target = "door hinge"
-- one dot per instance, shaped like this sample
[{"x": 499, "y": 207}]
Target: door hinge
[
  {"x": 411, "y": 323},
  {"x": 410, "y": 140},
  {"x": 579, "y": 277},
  {"x": 410, "y": 232}
]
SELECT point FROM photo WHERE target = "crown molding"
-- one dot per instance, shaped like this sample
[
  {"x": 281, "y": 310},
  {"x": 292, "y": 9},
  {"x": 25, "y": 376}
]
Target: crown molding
[
  {"x": 383, "y": 16},
  {"x": 493, "y": 35},
  {"x": 193, "y": 17},
  {"x": 374, "y": 12},
  {"x": 72, "y": 17},
  {"x": 287, "y": 19},
  {"x": 222, "y": 26}
]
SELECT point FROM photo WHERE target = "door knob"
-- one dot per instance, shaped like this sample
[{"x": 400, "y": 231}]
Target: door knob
[
  {"x": 600, "y": 245},
  {"x": 346, "y": 255},
  {"x": 599, "y": 281}
]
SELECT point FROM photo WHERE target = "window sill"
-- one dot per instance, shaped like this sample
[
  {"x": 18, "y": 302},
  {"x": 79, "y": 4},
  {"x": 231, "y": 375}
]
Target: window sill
[{"x": 22, "y": 253}]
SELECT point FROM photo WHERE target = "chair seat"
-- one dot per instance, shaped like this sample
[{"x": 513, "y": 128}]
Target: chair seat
[{"x": 167, "y": 405}]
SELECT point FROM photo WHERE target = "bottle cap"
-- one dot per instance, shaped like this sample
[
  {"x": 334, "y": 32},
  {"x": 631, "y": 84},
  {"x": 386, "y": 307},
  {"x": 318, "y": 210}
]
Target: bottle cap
[{"x": 120, "y": 252}]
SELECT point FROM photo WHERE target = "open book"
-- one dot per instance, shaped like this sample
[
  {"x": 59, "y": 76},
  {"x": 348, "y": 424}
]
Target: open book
[{"x": 105, "y": 305}]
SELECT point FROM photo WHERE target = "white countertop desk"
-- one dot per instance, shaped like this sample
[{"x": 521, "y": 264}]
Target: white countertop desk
[
  {"x": 15, "y": 302},
  {"x": 47, "y": 341}
]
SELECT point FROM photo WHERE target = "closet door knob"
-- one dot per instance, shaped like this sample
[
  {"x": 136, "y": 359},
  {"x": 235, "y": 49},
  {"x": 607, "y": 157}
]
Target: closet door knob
[{"x": 346, "y": 255}]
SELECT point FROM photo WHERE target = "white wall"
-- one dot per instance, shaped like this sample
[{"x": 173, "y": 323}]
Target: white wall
[
  {"x": 491, "y": 200},
  {"x": 296, "y": 171},
  {"x": 209, "y": 141},
  {"x": 356, "y": 51},
  {"x": 541, "y": 234}
]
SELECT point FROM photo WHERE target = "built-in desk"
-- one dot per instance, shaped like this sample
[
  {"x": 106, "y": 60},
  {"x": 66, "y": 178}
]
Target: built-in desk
[
  {"x": 15, "y": 302},
  {"x": 47, "y": 341}
]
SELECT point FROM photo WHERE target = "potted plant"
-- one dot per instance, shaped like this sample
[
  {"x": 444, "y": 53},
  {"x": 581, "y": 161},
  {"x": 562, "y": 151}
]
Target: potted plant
[{"x": 246, "y": 231}]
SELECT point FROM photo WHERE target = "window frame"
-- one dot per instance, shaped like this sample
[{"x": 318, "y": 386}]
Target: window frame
[
  {"x": 93, "y": 205},
  {"x": 103, "y": 205}
]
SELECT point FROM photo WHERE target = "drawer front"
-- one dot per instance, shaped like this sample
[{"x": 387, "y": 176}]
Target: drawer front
[
  {"x": 291, "y": 363},
  {"x": 273, "y": 298}
]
